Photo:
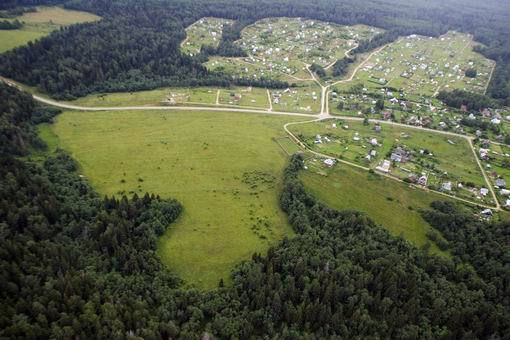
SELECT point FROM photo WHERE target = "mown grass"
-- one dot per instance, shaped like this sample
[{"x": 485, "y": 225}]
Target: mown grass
[
  {"x": 41, "y": 23},
  {"x": 225, "y": 168},
  {"x": 391, "y": 204}
]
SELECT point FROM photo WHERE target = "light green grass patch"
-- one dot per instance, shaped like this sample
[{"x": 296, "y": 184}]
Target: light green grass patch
[
  {"x": 41, "y": 23},
  {"x": 225, "y": 168}
]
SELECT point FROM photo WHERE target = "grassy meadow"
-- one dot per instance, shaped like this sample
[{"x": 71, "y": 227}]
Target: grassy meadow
[
  {"x": 225, "y": 168},
  {"x": 41, "y": 23}
]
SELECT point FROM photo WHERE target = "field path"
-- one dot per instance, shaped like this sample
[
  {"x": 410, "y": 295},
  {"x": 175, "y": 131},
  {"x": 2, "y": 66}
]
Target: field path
[
  {"x": 315, "y": 118},
  {"x": 346, "y": 54},
  {"x": 489, "y": 185},
  {"x": 218, "y": 97},
  {"x": 269, "y": 100},
  {"x": 363, "y": 63}
]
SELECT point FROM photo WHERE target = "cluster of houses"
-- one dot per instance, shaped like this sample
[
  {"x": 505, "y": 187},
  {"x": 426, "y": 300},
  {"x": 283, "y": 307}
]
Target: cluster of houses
[
  {"x": 294, "y": 97},
  {"x": 425, "y": 71},
  {"x": 278, "y": 43},
  {"x": 203, "y": 32}
]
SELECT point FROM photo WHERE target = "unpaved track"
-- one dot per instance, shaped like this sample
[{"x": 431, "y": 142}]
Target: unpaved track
[{"x": 324, "y": 114}]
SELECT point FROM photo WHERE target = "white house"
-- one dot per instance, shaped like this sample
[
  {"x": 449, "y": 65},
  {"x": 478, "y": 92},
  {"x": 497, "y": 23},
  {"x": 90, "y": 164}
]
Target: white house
[{"x": 329, "y": 162}]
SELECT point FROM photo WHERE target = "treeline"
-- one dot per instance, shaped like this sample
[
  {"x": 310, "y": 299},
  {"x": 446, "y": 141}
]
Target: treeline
[
  {"x": 136, "y": 45},
  {"x": 472, "y": 101},
  {"x": 18, "y": 7},
  {"x": 75, "y": 265},
  {"x": 10, "y": 25},
  {"x": 485, "y": 246},
  {"x": 18, "y": 116},
  {"x": 341, "y": 66}
]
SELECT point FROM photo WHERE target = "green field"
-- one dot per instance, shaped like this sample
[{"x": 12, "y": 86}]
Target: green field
[
  {"x": 225, "y": 168},
  {"x": 392, "y": 204},
  {"x": 41, "y": 23}
]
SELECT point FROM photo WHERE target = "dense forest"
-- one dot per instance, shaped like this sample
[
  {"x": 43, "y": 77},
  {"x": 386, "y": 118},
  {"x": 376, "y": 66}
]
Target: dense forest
[
  {"x": 112, "y": 56},
  {"x": 76, "y": 265},
  {"x": 471, "y": 101}
]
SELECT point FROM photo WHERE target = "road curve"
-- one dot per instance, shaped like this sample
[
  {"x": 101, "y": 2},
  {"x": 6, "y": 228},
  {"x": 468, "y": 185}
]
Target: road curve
[
  {"x": 174, "y": 108},
  {"x": 315, "y": 117}
]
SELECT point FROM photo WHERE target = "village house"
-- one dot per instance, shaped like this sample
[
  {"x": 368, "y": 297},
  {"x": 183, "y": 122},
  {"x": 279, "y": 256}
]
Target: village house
[
  {"x": 484, "y": 154},
  {"x": 484, "y": 192},
  {"x": 400, "y": 155},
  {"x": 504, "y": 192},
  {"x": 447, "y": 186},
  {"x": 329, "y": 162},
  {"x": 384, "y": 166},
  {"x": 487, "y": 213},
  {"x": 423, "y": 180},
  {"x": 500, "y": 182}
]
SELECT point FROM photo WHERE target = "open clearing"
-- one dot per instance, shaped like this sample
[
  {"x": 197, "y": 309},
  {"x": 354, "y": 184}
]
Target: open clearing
[
  {"x": 225, "y": 168},
  {"x": 282, "y": 47},
  {"x": 204, "y": 32},
  {"x": 391, "y": 204},
  {"x": 41, "y": 23}
]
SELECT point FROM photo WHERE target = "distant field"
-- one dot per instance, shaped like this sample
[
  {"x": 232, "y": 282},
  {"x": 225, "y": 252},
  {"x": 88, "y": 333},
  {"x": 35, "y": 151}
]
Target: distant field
[
  {"x": 389, "y": 203},
  {"x": 225, "y": 168},
  {"x": 41, "y": 23}
]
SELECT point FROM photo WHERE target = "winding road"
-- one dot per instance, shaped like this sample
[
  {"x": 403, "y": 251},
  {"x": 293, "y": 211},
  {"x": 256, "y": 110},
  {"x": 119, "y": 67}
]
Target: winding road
[{"x": 324, "y": 114}]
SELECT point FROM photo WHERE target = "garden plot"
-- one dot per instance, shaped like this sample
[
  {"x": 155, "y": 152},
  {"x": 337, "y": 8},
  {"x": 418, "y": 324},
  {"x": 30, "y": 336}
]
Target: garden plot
[
  {"x": 283, "y": 46},
  {"x": 439, "y": 162},
  {"x": 496, "y": 161},
  {"x": 205, "y": 32},
  {"x": 297, "y": 99},
  {"x": 424, "y": 65},
  {"x": 163, "y": 96},
  {"x": 428, "y": 112},
  {"x": 244, "y": 96}
]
